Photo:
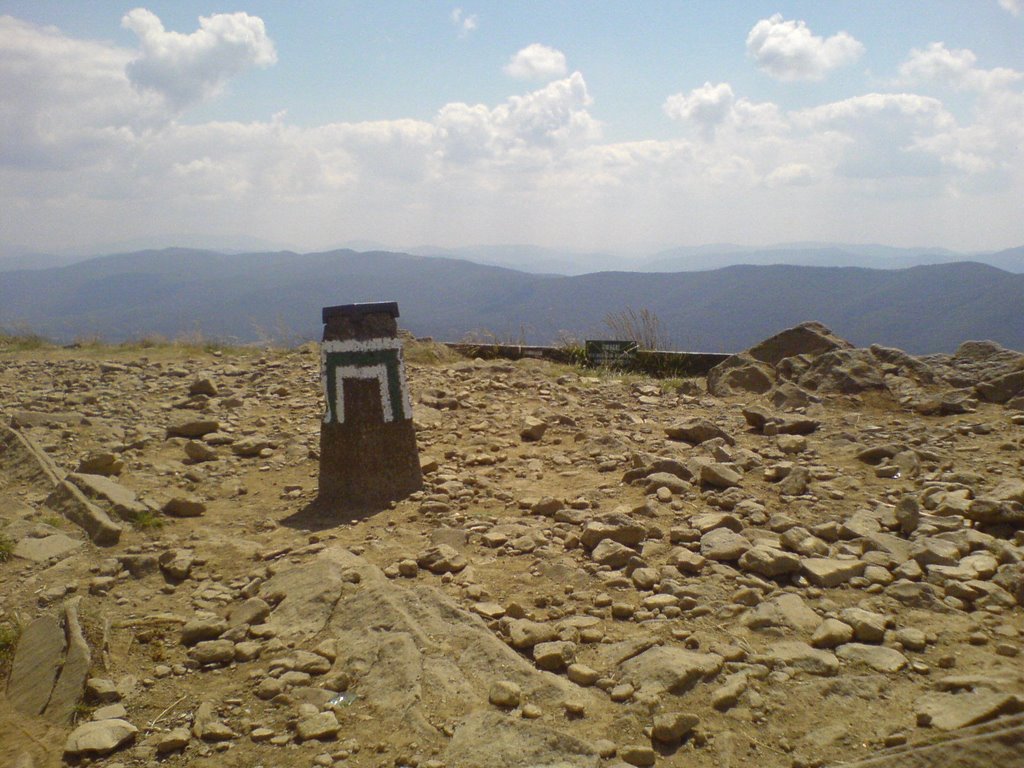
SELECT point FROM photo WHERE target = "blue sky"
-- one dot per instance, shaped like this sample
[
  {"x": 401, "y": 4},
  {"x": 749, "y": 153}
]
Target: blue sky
[{"x": 599, "y": 125}]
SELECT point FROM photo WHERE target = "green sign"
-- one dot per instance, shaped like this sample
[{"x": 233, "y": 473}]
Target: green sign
[{"x": 610, "y": 352}]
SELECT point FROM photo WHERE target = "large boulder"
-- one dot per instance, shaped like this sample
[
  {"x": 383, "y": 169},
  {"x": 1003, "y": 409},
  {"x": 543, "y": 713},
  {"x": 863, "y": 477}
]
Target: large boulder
[
  {"x": 754, "y": 371},
  {"x": 844, "y": 371},
  {"x": 810, "y": 338},
  {"x": 740, "y": 374}
]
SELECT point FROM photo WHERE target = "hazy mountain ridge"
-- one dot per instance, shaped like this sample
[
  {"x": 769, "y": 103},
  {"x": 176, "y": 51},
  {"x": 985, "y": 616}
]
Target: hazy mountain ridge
[
  {"x": 921, "y": 309},
  {"x": 561, "y": 261}
]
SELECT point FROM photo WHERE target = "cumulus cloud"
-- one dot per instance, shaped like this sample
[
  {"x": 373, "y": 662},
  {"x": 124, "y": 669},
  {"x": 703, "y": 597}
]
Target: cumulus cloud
[
  {"x": 464, "y": 22},
  {"x": 552, "y": 118},
  {"x": 185, "y": 69},
  {"x": 85, "y": 151},
  {"x": 711, "y": 107},
  {"x": 880, "y": 135},
  {"x": 955, "y": 69},
  {"x": 707, "y": 106},
  {"x": 536, "y": 62},
  {"x": 1011, "y": 6},
  {"x": 788, "y": 50}
]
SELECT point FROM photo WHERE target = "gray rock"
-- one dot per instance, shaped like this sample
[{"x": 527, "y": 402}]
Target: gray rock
[
  {"x": 768, "y": 561},
  {"x": 722, "y": 544},
  {"x": 554, "y": 656},
  {"x": 109, "y": 494},
  {"x": 697, "y": 430},
  {"x": 612, "y": 554},
  {"x": 673, "y": 482},
  {"x": 37, "y": 661},
  {"x": 878, "y": 658},
  {"x": 740, "y": 374},
  {"x": 533, "y": 429},
  {"x": 615, "y": 527},
  {"x": 786, "y": 610},
  {"x": 69, "y": 501},
  {"x": 951, "y": 711},
  {"x": 322, "y": 726},
  {"x": 801, "y": 657},
  {"x": 493, "y": 739},
  {"x": 41, "y": 550},
  {"x": 441, "y": 559},
  {"x": 641, "y": 755},
  {"x": 831, "y": 633},
  {"x": 665, "y": 669},
  {"x": 671, "y": 727},
  {"x": 199, "y": 452},
  {"x": 505, "y": 693},
  {"x": 253, "y": 611},
  {"x": 173, "y": 741},
  {"x": 203, "y": 628},
  {"x": 686, "y": 561},
  {"x": 524, "y": 633},
  {"x": 193, "y": 428},
  {"x": 99, "y": 737},
  {"x": 213, "y": 652},
  {"x": 868, "y": 627},
  {"x": 70, "y": 685},
  {"x": 720, "y": 476},
  {"x": 184, "y": 506},
  {"x": 830, "y": 572},
  {"x": 176, "y": 564},
  {"x": 796, "y": 482},
  {"x": 101, "y": 463}
]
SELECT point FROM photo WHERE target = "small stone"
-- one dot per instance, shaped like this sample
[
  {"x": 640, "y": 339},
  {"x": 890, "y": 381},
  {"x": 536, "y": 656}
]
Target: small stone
[
  {"x": 830, "y": 572},
  {"x": 173, "y": 741},
  {"x": 727, "y": 696},
  {"x": 554, "y": 656},
  {"x": 641, "y": 755},
  {"x": 831, "y": 633},
  {"x": 204, "y": 628},
  {"x": 582, "y": 674},
  {"x": 878, "y": 658},
  {"x": 533, "y": 429},
  {"x": 768, "y": 561},
  {"x": 505, "y": 694},
  {"x": 911, "y": 639},
  {"x": 441, "y": 559},
  {"x": 532, "y": 711},
  {"x": 672, "y": 727},
  {"x": 213, "y": 652},
  {"x": 622, "y": 692},
  {"x": 323, "y": 725},
  {"x": 99, "y": 737},
  {"x": 184, "y": 506}
]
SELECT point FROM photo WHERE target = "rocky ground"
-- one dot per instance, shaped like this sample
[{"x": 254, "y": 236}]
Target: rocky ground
[{"x": 810, "y": 557}]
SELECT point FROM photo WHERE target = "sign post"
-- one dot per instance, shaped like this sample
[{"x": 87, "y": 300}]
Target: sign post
[
  {"x": 610, "y": 353},
  {"x": 368, "y": 454}
]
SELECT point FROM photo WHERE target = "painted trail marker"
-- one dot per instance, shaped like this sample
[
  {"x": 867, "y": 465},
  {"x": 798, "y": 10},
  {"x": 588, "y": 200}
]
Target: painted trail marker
[{"x": 368, "y": 454}]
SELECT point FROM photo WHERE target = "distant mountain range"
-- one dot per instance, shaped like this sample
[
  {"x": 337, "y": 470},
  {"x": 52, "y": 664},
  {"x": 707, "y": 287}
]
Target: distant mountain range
[
  {"x": 553, "y": 261},
  {"x": 246, "y": 297}
]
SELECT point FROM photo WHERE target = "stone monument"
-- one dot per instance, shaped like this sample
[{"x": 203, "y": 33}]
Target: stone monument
[{"x": 368, "y": 453}]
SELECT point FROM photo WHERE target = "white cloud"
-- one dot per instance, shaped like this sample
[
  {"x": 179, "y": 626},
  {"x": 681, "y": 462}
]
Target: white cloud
[
  {"x": 465, "y": 23},
  {"x": 706, "y": 106},
  {"x": 1012, "y": 6},
  {"x": 955, "y": 69},
  {"x": 712, "y": 107},
  {"x": 84, "y": 153},
  {"x": 551, "y": 119},
  {"x": 188, "y": 68},
  {"x": 536, "y": 62},
  {"x": 787, "y": 50}
]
